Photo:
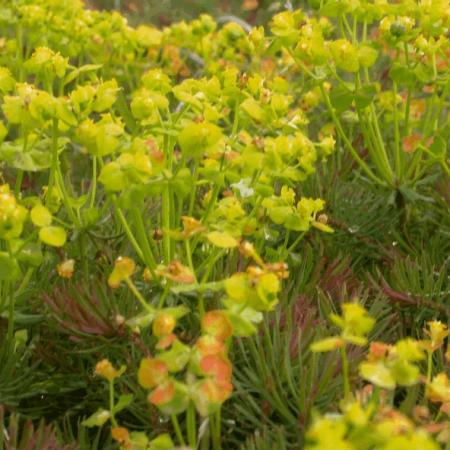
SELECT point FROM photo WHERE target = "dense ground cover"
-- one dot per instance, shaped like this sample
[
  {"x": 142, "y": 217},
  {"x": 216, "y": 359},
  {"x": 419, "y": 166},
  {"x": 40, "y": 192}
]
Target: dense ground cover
[{"x": 225, "y": 236}]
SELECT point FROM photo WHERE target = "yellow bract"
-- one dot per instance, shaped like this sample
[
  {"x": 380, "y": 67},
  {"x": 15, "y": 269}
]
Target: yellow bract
[{"x": 124, "y": 267}]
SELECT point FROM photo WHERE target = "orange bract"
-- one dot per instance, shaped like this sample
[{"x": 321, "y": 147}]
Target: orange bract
[
  {"x": 122, "y": 436},
  {"x": 209, "y": 345},
  {"x": 216, "y": 366},
  {"x": 152, "y": 372},
  {"x": 162, "y": 394},
  {"x": 216, "y": 392},
  {"x": 217, "y": 324}
]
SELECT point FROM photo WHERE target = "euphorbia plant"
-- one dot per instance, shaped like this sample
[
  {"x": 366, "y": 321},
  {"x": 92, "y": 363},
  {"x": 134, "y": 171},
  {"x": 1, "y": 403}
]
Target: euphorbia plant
[
  {"x": 182, "y": 154},
  {"x": 368, "y": 417},
  {"x": 389, "y": 72},
  {"x": 20, "y": 248}
]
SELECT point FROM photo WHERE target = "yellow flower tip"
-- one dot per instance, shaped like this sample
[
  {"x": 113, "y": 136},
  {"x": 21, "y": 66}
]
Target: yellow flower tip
[
  {"x": 147, "y": 275},
  {"x": 191, "y": 226},
  {"x": 122, "y": 436},
  {"x": 438, "y": 390},
  {"x": 106, "y": 370},
  {"x": 124, "y": 267},
  {"x": 247, "y": 249},
  {"x": 279, "y": 269},
  {"x": 66, "y": 268},
  {"x": 327, "y": 344},
  {"x": 163, "y": 325},
  {"x": 437, "y": 332},
  {"x": 322, "y": 226},
  {"x": 120, "y": 320},
  {"x": 177, "y": 272}
]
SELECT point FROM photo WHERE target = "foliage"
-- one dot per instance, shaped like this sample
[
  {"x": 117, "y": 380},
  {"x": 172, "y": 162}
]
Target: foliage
[{"x": 182, "y": 209}]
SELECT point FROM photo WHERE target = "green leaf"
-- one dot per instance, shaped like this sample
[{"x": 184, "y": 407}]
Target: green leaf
[
  {"x": 177, "y": 357},
  {"x": 7, "y": 82},
  {"x": 79, "y": 70},
  {"x": 36, "y": 158},
  {"x": 141, "y": 321},
  {"x": 439, "y": 147},
  {"x": 405, "y": 373},
  {"x": 341, "y": 98},
  {"x": 163, "y": 442},
  {"x": 365, "y": 95},
  {"x": 222, "y": 239},
  {"x": 3, "y": 132},
  {"x": 253, "y": 109},
  {"x": 378, "y": 374},
  {"x": 9, "y": 269},
  {"x": 41, "y": 216},
  {"x": 335, "y": 8},
  {"x": 123, "y": 402},
  {"x": 99, "y": 418},
  {"x": 244, "y": 324},
  {"x": 54, "y": 236},
  {"x": 64, "y": 112},
  {"x": 402, "y": 75},
  {"x": 31, "y": 254},
  {"x": 182, "y": 182},
  {"x": 112, "y": 177},
  {"x": 424, "y": 73},
  {"x": 367, "y": 56},
  {"x": 237, "y": 287},
  {"x": 198, "y": 138},
  {"x": 139, "y": 440}
]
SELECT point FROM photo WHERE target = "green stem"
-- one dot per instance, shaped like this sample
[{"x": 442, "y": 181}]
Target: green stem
[
  {"x": 176, "y": 427},
  {"x": 94, "y": 182},
  {"x": 11, "y": 305},
  {"x": 143, "y": 240},
  {"x": 20, "y": 173},
  {"x": 128, "y": 231},
  {"x": 296, "y": 242},
  {"x": 187, "y": 246},
  {"x": 194, "y": 189},
  {"x": 66, "y": 199},
  {"x": 191, "y": 425},
  {"x": 201, "y": 305},
  {"x": 83, "y": 255},
  {"x": 382, "y": 149},
  {"x": 111, "y": 402},
  {"x": 19, "y": 50},
  {"x": 166, "y": 223},
  {"x": 345, "y": 373},
  {"x": 346, "y": 141},
  {"x": 138, "y": 295},
  {"x": 429, "y": 366},
  {"x": 54, "y": 163},
  {"x": 216, "y": 425},
  {"x": 25, "y": 281},
  {"x": 9, "y": 291},
  {"x": 398, "y": 156},
  {"x": 19, "y": 180}
]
